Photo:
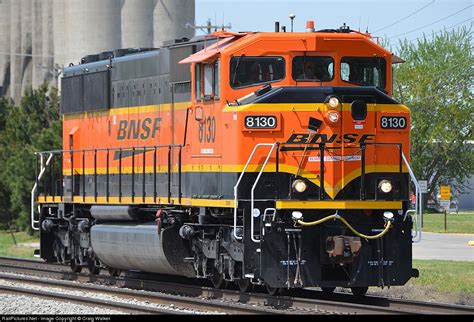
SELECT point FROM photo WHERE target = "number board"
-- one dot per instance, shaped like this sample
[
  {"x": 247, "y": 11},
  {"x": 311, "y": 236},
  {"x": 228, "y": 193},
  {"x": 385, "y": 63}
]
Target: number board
[
  {"x": 393, "y": 122},
  {"x": 260, "y": 122}
]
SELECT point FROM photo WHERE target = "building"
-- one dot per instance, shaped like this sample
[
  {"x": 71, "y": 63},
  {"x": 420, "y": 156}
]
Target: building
[{"x": 39, "y": 37}]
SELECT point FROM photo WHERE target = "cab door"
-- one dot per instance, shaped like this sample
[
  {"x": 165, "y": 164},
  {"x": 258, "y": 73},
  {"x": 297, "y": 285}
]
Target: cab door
[{"x": 206, "y": 150}]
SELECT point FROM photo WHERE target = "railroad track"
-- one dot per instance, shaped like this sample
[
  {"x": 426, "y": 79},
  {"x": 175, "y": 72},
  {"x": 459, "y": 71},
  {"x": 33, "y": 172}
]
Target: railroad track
[{"x": 179, "y": 291}]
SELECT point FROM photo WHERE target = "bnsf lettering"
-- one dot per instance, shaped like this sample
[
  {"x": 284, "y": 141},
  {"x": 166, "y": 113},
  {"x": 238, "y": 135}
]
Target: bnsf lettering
[
  {"x": 323, "y": 138},
  {"x": 135, "y": 129}
]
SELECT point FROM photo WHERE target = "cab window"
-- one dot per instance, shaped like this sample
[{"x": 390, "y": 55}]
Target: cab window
[
  {"x": 365, "y": 71},
  {"x": 207, "y": 84},
  {"x": 246, "y": 71},
  {"x": 313, "y": 68}
]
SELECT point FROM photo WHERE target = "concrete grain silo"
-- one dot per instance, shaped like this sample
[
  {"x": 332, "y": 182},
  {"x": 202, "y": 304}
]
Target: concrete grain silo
[
  {"x": 170, "y": 18},
  {"x": 4, "y": 46},
  {"x": 92, "y": 26},
  {"x": 47, "y": 40},
  {"x": 59, "y": 32},
  {"x": 39, "y": 37},
  {"x": 137, "y": 23},
  {"x": 26, "y": 46},
  {"x": 16, "y": 74},
  {"x": 37, "y": 40}
]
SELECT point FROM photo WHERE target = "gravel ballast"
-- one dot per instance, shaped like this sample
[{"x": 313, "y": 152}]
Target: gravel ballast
[{"x": 21, "y": 304}]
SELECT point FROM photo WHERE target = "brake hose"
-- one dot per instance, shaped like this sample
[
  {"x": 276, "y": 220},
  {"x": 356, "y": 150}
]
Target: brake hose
[{"x": 387, "y": 226}]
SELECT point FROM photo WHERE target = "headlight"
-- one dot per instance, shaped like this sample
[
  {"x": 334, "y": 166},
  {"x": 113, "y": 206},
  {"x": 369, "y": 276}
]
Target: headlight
[
  {"x": 385, "y": 186},
  {"x": 333, "y": 116},
  {"x": 333, "y": 102},
  {"x": 299, "y": 185}
]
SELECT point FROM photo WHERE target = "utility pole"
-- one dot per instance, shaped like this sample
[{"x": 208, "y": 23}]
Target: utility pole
[{"x": 209, "y": 26}]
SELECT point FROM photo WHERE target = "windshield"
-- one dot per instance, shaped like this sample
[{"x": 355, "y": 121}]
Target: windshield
[
  {"x": 247, "y": 71},
  {"x": 366, "y": 71},
  {"x": 313, "y": 68}
]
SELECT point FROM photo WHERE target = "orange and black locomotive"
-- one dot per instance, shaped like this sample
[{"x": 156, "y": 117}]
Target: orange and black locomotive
[{"x": 277, "y": 159}]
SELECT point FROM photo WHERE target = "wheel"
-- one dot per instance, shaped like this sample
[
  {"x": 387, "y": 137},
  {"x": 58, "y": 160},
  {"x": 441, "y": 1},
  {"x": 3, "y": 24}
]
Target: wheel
[
  {"x": 115, "y": 272},
  {"x": 94, "y": 266},
  {"x": 359, "y": 291},
  {"x": 328, "y": 290},
  {"x": 75, "y": 267},
  {"x": 217, "y": 279},
  {"x": 272, "y": 290},
  {"x": 244, "y": 284}
]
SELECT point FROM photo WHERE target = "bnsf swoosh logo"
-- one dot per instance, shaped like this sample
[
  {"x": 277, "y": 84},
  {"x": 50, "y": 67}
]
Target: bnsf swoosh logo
[
  {"x": 323, "y": 138},
  {"x": 126, "y": 153}
]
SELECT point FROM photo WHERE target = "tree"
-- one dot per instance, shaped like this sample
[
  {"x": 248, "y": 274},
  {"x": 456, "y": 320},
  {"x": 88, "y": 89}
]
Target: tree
[
  {"x": 33, "y": 126},
  {"x": 4, "y": 192},
  {"x": 436, "y": 82}
]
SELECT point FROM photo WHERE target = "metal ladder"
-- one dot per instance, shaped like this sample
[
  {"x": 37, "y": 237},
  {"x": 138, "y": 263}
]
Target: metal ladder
[{"x": 252, "y": 193}]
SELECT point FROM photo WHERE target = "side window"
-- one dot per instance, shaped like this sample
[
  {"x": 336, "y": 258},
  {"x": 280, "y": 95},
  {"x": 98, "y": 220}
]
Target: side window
[
  {"x": 313, "y": 68},
  {"x": 250, "y": 71},
  {"x": 207, "y": 81},
  {"x": 217, "y": 77},
  {"x": 208, "y": 77},
  {"x": 198, "y": 78},
  {"x": 365, "y": 71}
]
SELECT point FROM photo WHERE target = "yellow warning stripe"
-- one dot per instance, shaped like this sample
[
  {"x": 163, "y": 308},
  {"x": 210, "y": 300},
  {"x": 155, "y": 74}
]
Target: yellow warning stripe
[
  {"x": 225, "y": 203},
  {"x": 283, "y": 168},
  {"x": 310, "y": 107},
  {"x": 338, "y": 204},
  {"x": 129, "y": 110},
  {"x": 138, "y": 201}
]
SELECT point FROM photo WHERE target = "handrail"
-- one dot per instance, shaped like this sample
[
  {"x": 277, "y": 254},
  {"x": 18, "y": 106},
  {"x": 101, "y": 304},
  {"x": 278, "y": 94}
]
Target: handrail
[
  {"x": 416, "y": 238},
  {"x": 61, "y": 154},
  {"x": 252, "y": 192},
  {"x": 112, "y": 149},
  {"x": 240, "y": 179},
  {"x": 33, "y": 191}
]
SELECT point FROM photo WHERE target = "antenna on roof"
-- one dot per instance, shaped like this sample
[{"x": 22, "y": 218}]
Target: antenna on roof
[
  {"x": 367, "y": 28},
  {"x": 292, "y": 17}
]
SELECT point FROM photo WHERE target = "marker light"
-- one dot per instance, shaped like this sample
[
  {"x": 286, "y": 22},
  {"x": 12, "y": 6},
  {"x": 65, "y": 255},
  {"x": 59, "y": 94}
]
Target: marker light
[
  {"x": 333, "y": 116},
  {"x": 296, "y": 215},
  {"x": 385, "y": 186},
  {"x": 256, "y": 212},
  {"x": 299, "y": 185},
  {"x": 333, "y": 102}
]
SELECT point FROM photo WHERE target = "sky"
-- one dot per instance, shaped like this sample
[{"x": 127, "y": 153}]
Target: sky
[{"x": 394, "y": 20}]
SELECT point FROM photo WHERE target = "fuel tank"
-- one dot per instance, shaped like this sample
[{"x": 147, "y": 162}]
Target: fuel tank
[
  {"x": 115, "y": 213},
  {"x": 139, "y": 246}
]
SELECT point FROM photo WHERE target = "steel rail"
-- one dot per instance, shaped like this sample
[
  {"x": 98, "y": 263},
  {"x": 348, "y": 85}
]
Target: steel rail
[
  {"x": 299, "y": 300},
  {"x": 164, "y": 299}
]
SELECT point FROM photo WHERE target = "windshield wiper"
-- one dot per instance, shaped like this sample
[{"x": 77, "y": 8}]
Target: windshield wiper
[
  {"x": 308, "y": 80},
  {"x": 236, "y": 69}
]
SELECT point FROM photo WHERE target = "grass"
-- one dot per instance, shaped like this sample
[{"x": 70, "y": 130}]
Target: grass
[
  {"x": 8, "y": 247},
  {"x": 445, "y": 276},
  {"x": 456, "y": 223}
]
